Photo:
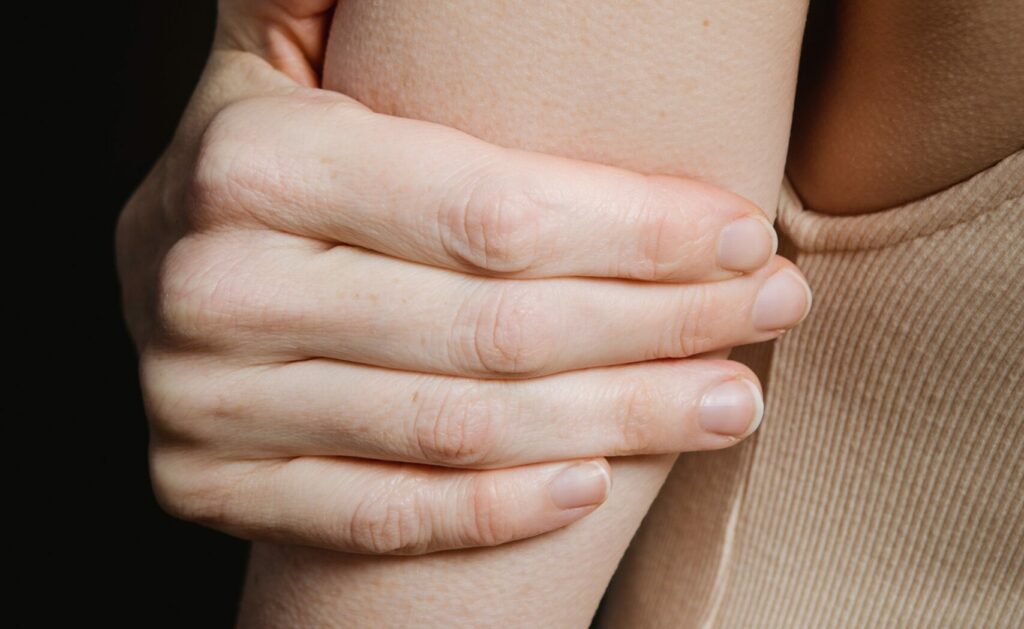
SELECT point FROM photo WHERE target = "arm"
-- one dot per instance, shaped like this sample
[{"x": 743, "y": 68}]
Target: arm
[
  {"x": 701, "y": 89},
  {"x": 316, "y": 306}
]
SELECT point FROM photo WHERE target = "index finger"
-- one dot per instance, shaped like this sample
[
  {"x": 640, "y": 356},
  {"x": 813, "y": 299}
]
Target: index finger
[{"x": 320, "y": 165}]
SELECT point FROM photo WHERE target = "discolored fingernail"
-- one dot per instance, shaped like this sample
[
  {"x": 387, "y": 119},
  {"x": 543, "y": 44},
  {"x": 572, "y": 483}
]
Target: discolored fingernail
[
  {"x": 734, "y": 408},
  {"x": 784, "y": 301},
  {"x": 580, "y": 485},
  {"x": 746, "y": 244}
]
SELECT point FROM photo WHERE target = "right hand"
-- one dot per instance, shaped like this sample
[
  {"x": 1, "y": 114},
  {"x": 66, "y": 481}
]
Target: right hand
[{"x": 322, "y": 296}]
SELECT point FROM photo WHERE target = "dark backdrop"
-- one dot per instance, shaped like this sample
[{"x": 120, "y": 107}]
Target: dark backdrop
[{"x": 163, "y": 572}]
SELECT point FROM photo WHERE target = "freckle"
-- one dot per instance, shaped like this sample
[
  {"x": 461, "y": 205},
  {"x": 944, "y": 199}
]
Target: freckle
[
  {"x": 707, "y": 23},
  {"x": 415, "y": 395},
  {"x": 662, "y": 115},
  {"x": 373, "y": 297}
]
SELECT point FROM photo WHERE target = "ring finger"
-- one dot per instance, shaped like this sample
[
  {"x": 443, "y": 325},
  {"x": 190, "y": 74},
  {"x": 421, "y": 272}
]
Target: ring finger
[{"x": 330, "y": 408}]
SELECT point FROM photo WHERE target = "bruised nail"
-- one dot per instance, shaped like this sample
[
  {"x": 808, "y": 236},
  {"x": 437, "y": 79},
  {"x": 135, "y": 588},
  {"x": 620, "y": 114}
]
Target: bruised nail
[
  {"x": 733, "y": 408},
  {"x": 580, "y": 485},
  {"x": 746, "y": 244},
  {"x": 784, "y": 301}
]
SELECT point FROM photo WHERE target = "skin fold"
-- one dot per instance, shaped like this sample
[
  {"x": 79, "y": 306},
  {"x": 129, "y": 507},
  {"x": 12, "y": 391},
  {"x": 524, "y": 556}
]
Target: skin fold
[
  {"x": 691, "y": 89},
  {"x": 699, "y": 89},
  {"x": 684, "y": 88},
  {"x": 898, "y": 100},
  {"x": 346, "y": 345}
]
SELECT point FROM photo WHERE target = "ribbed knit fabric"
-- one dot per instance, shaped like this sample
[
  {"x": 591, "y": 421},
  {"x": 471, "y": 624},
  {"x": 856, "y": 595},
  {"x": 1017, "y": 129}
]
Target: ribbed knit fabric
[{"x": 886, "y": 485}]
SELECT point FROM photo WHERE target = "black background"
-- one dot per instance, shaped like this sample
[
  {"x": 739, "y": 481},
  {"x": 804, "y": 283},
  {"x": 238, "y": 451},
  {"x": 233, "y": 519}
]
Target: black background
[{"x": 143, "y": 565}]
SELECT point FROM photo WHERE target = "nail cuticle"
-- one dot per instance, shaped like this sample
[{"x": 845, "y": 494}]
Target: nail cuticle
[
  {"x": 743, "y": 246},
  {"x": 733, "y": 408},
  {"x": 782, "y": 303}
]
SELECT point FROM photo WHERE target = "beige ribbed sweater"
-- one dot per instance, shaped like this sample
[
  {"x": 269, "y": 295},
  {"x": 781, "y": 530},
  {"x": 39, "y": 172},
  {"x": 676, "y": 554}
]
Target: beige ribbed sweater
[{"x": 886, "y": 485}]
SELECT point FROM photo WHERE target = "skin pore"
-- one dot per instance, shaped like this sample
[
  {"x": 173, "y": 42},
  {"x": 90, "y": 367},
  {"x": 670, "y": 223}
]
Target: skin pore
[
  {"x": 693, "y": 88},
  {"x": 699, "y": 89},
  {"x": 898, "y": 100}
]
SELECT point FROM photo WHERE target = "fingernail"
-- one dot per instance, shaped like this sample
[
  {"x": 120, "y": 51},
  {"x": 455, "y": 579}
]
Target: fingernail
[
  {"x": 580, "y": 485},
  {"x": 732, "y": 408},
  {"x": 784, "y": 301},
  {"x": 746, "y": 244}
]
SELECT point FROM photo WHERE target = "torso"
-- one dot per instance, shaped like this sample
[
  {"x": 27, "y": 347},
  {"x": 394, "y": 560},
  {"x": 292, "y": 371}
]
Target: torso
[{"x": 897, "y": 100}]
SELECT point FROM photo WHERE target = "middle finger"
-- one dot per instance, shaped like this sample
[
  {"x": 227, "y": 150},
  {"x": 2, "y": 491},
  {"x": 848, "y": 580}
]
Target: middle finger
[{"x": 358, "y": 306}]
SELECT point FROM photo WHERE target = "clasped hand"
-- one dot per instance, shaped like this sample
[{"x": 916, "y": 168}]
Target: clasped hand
[{"x": 381, "y": 335}]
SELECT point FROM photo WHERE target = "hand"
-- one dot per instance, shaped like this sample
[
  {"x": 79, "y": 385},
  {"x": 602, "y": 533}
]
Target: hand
[{"x": 381, "y": 335}]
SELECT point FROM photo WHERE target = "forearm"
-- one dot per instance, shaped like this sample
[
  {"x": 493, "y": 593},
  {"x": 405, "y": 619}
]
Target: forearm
[{"x": 689, "y": 88}]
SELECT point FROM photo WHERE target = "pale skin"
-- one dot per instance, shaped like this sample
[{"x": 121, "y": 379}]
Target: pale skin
[
  {"x": 290, "y": 585},
  {"x": 467, "y": 66},
  {"x": 317, "y": 307}
]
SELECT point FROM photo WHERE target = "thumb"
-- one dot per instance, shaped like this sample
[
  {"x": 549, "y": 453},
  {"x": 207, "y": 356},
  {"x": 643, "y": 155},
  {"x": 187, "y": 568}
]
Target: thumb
[{"x": 290, "y": 35}]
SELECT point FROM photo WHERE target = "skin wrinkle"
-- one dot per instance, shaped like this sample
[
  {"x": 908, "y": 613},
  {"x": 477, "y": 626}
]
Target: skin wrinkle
[
  {"x": 457, "y": 104},
  {"x": 643, "y": 86},
  {"x": 899, "y": 100}
]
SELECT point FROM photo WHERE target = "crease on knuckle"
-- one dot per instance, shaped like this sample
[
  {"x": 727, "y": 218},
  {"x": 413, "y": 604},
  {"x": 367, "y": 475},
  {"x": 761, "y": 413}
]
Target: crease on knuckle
[
  {"x": 664, "y": 232},
  {"x": 191, "y": 491},
  {"x": 390, "y": 521},
  {"x": 637, "y": 416},
  {"x": 494, "y": 229},
  {"x": 460, "y": 429},
  {"x": 662, "y": 253},
  {"x": 177, "y": 403},
  {"x": 209, "y": 292},
  {"x": 691, "y": 333},
  {"x": 236, "y": 164},
  {"x": 512, "y": 334},
  {"x": 486, "y": 522}
]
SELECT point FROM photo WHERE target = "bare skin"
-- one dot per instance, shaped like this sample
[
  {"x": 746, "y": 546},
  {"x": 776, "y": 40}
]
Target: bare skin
[
  {"x": 659, "y": 89},
  {"x": 553, "y": 91},
  {"x": 898, "y": 100},
  {"x": 345, "y": 345},
  {"x": 197, "y": 470}
]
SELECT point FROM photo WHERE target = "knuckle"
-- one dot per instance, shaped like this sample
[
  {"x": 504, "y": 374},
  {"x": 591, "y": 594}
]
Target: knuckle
[
  {"x": 234, "y": 165},
  {"x": 461, "y": 430},
  {"x": 192, "y": 285},
  {"x": 389, "y": 522},
  {"x": 666, "y": 233},
  {"x": 190, "y": 405},
  {"x": 188, "y": 491},
  {"x": 494, "y": 230},
  {"x": 691, "y": 331},
  {"x": 167, "y": 400},
  {"x": 486, "y": 522},
  {"x": 636, "y": 418},
  {"x": 513, "y": 334},
  {"x": 208, "y": 291}
]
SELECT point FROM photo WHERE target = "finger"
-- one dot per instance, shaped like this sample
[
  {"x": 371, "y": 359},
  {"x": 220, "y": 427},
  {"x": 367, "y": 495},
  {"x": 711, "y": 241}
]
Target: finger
[
  {"x": 330, "y": 408},
  {"x": 350, "y": 304},
  {"x": 320, "y": 165},
  {"x": 362, "y": 506}
]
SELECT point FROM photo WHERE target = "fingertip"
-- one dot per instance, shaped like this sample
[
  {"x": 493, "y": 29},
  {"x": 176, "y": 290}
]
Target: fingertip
[
  {"x": 732, "y": 408},
  {"x": 581, "y": 485},
  {"x": 783, "y": 301},
  {"x": 747, "y": 244}
]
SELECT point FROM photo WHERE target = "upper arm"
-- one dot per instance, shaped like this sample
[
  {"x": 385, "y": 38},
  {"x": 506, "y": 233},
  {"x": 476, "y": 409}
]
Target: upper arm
[
  {"x": 680, "y": 87},
  {"x": 695, "y": 88}
]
